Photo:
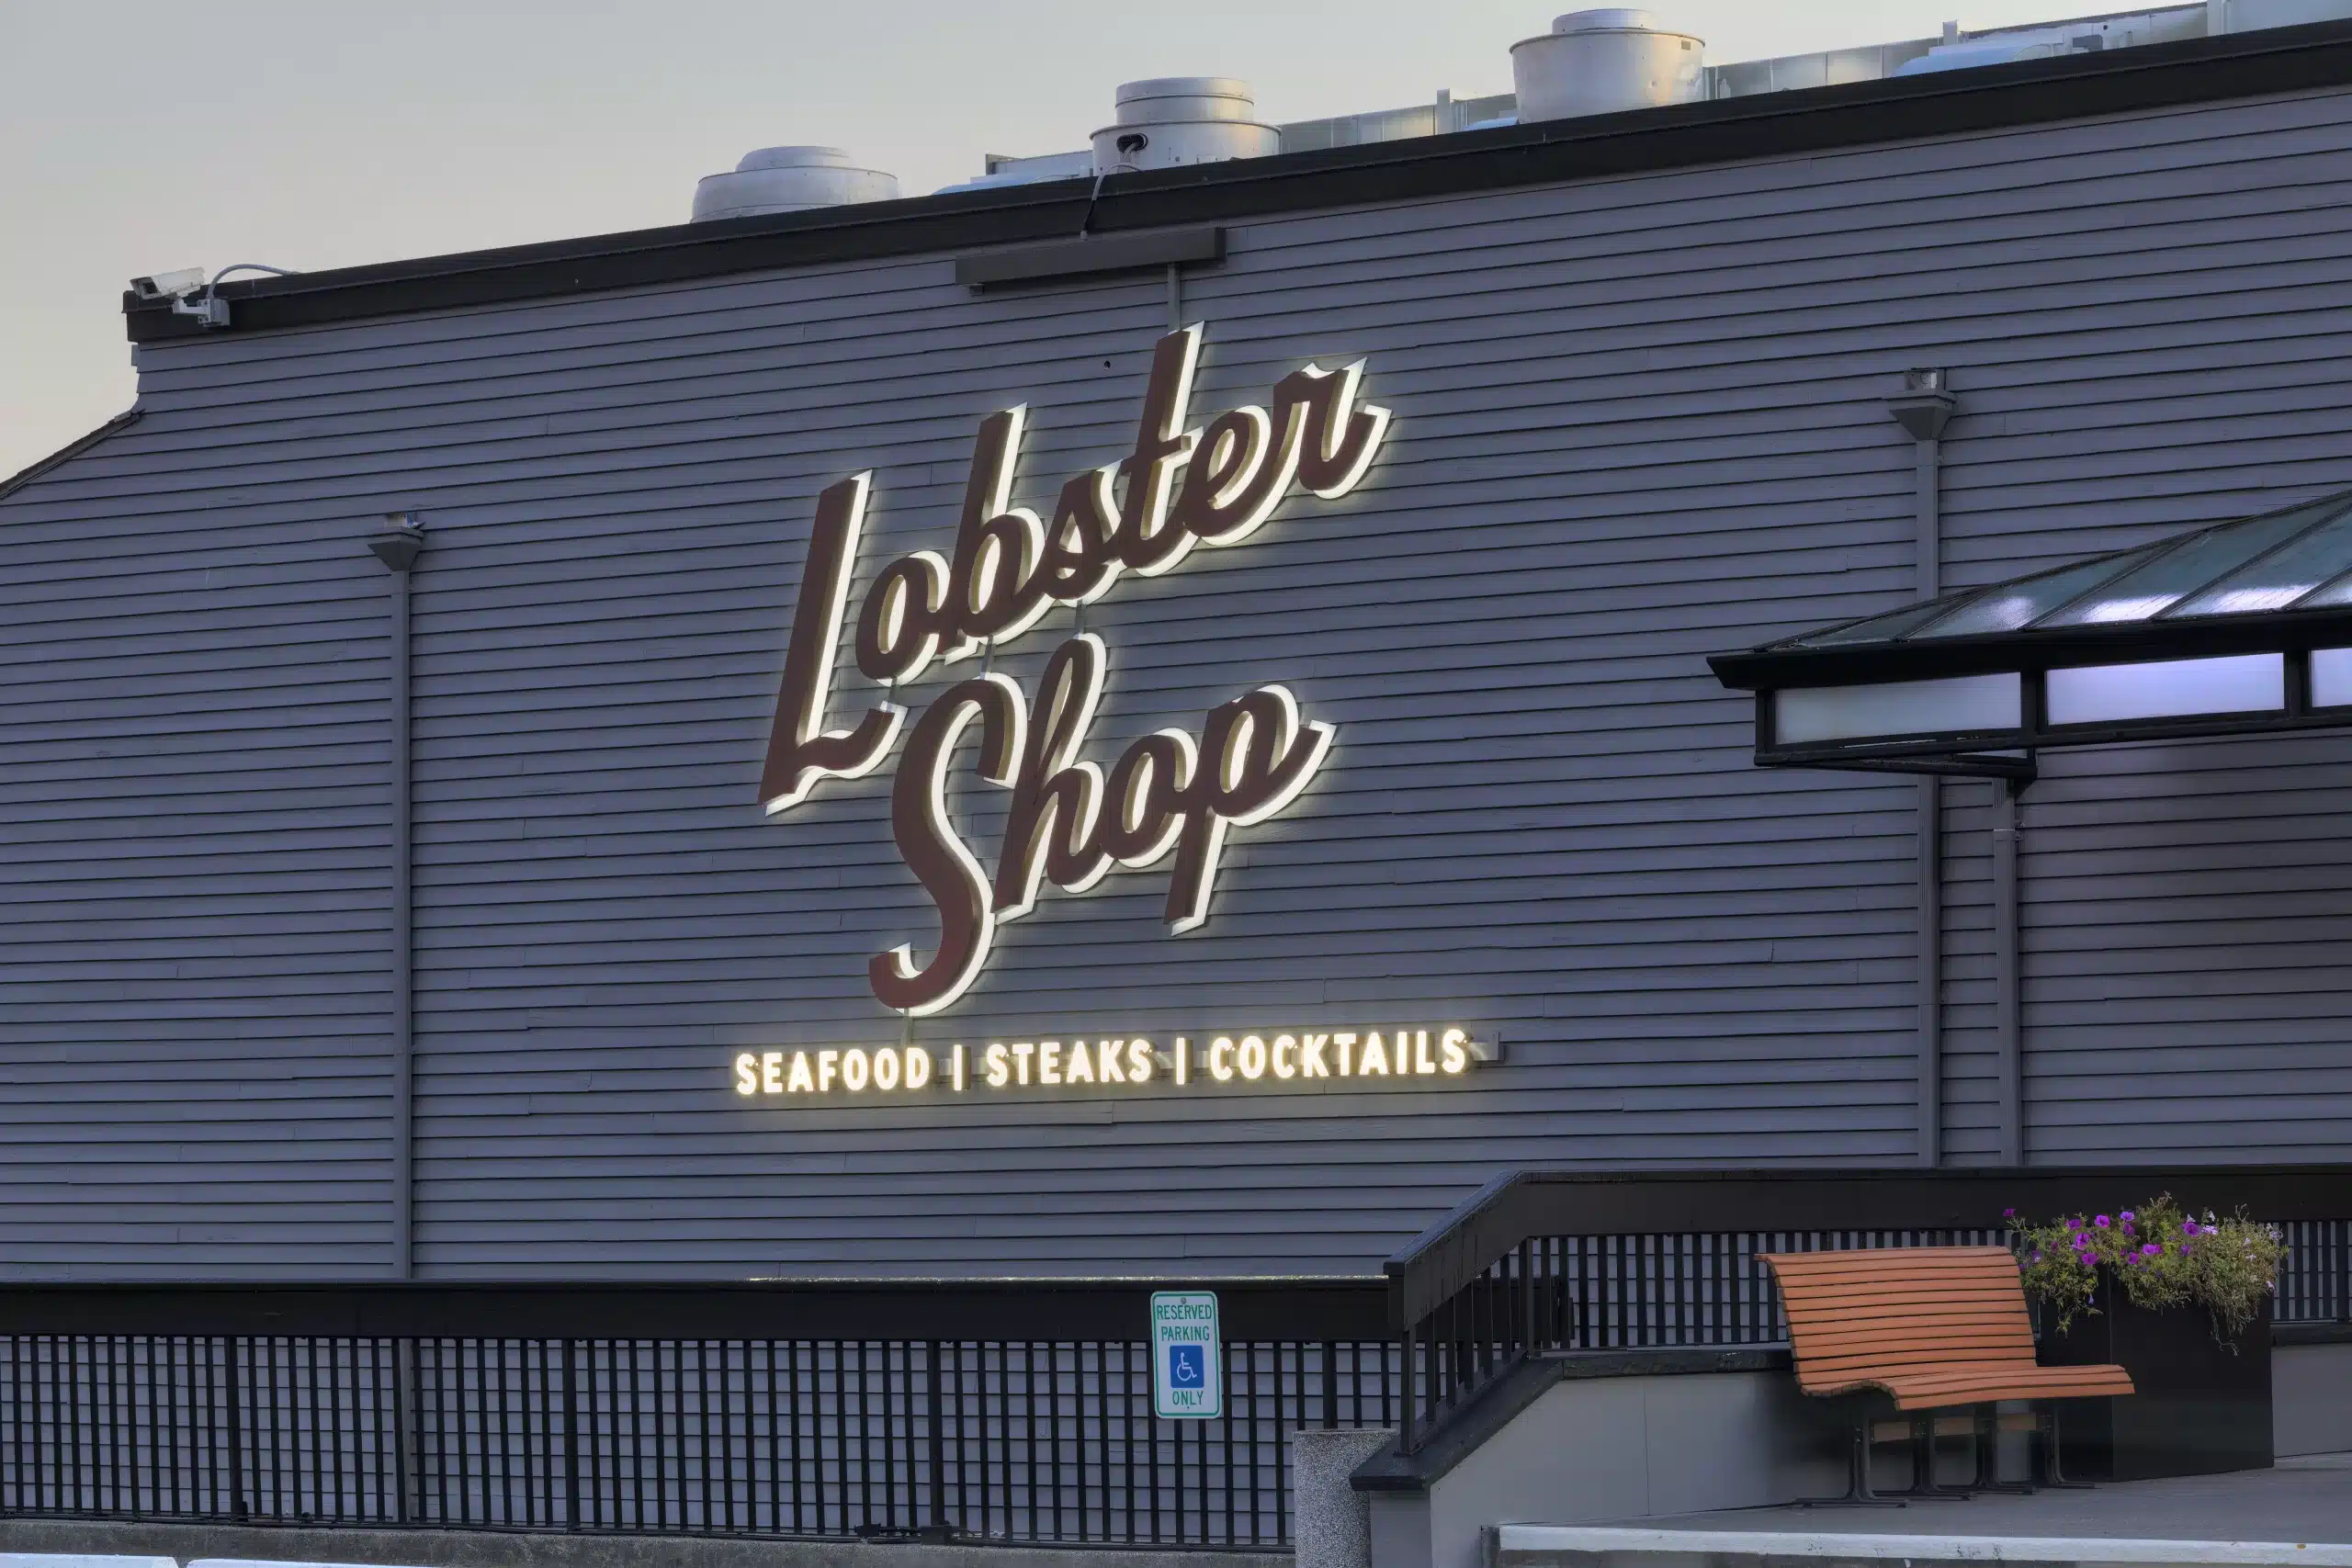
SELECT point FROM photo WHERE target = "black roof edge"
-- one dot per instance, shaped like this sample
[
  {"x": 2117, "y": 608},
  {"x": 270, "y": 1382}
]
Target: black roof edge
[
  {"x": 2125, "y": 642},
  {"x": 2077, "y": 87},
  {"x": 67, "y": 453}
]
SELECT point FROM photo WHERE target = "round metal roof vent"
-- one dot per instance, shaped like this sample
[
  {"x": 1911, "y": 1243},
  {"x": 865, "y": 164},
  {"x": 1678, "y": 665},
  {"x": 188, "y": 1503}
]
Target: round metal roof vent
[
  {"x": 1604, "y": 61},
  {"x": 1170, "y": 121},
  {"x": 790, "y": 179}
]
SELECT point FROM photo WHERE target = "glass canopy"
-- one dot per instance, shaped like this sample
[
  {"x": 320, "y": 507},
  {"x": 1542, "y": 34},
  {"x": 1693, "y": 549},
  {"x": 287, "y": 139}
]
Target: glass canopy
[{"x": 2240, "y": 628}]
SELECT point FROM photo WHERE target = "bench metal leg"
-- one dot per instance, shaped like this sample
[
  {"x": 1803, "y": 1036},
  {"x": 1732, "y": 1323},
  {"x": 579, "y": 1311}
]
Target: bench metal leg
[
  {"x": 1923, "y": 1463},
  {"x": 1988, "y": 1455},
  {"x": 2051, "y": 1467},
  {"x": 1858, "y": 1475}
]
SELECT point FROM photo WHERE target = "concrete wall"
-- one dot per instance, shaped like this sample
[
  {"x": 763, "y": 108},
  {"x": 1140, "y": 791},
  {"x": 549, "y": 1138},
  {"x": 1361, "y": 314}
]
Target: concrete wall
[
  {"x": 1639, "y": 421},
  {"x": 1591, "y": 1449},
  {"x": 2312, "y": 1394}
]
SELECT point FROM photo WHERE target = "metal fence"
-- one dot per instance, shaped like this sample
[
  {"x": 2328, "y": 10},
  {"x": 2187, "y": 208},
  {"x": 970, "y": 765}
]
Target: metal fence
[{"x": 1030, "y": 1439}]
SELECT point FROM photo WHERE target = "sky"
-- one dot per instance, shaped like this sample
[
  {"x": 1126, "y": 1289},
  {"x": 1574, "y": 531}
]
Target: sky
[{"x": 138, "y": 138}]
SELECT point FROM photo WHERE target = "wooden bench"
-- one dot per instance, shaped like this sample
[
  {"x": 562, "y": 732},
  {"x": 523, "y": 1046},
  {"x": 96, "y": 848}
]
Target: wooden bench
[{"x": 1932, "y": 1328}]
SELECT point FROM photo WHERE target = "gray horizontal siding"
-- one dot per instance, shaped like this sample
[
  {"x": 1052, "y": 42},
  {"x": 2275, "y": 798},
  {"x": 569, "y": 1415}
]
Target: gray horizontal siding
[
  {"x": 1638, "y": 421},
  {"x": 193, "y": 1002}
]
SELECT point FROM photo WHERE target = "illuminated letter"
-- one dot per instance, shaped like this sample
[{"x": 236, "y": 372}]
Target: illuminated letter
[
  {"x": 1141, "y": 819},
  {"x": 1139, "y": 1061},
  {"x": 1081, "y": 555},
  {"x": 934, "y": 852},
  {"x": 1108, "y": 1056},
  {"x": 1375, "y": 1059},
  {"x": 918, "y": 1066},
  {"x": 1250, "y": 1056},
  {"x": 1221, "y": 1059},
  {"x": 826, "y": 1061},
  {"x": 1147, "y": 542},
  {"x": 1454, "y": 1044},
  {"x": 1422, "y": 1061},
  {"x": 1183, "y": 1067},
  {"x": 956, "y": 1079},
  {"x": 898, "y": 627},
  {"x": 1254, "y": 759},
  {"x": 1238, "y": 475},
  {"x": 1310, "y": 1058},
  {"x": 1000, "y": 1069},
  {"x": 1285, "y": 1046},
  {"x": 800, "y": 1081},
  {"x": 993, "y": 592},
  {"x": 800, "y": 749},
  {"x": 1340, "y": 439},
  {"x": 854, "y": 1070},
  {"x": 885, "y": 1068},
  {"x": 1049, "y": 1060},
  {"x": 1049, "y": 829},
  {"x": 747, "y": 1076},
  {"x": 772, "y": 1072},
  {"x": 1022, "y": 1051},
  {"x": 1081, "y": 1065},
  {"x": 1347, "y": 1041}
]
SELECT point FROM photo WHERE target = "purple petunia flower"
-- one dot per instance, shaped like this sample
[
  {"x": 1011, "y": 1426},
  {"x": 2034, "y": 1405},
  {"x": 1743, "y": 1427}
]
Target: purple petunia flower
[
  {"x": 2189, "y": 1227},
  {"x": 2103, "y": 1222},
  {"x": 2074, "y": 1225},
  {"x": 2129, "y": 1216},
  {"x": 2152, "y": 1250},
  {"x": 2037, "y": 1257}
]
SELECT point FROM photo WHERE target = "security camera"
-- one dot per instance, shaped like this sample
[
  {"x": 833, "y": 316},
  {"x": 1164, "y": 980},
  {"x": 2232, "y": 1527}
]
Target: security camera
[{"x": 169, "y": 285}]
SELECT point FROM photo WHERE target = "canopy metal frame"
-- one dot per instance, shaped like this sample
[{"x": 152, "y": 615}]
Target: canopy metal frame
[{"x": 2057, "y": 636}]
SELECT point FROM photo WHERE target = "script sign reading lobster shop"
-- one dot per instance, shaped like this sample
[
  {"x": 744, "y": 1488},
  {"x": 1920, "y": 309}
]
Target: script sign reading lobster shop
[{"x": 1169, "y": 796}]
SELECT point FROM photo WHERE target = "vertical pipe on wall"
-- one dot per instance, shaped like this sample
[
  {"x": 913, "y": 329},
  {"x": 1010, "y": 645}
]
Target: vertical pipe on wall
[
  {"x": 1175, "y": 297},
  {"x": 2007, "y": 1023},
  {"x": 397, "y": 544},
  {"x": 1924, "y": 408}
]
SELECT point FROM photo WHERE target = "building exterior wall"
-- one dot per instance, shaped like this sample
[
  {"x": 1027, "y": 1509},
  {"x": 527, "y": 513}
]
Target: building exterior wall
[{"x": 1638, "y": 421}]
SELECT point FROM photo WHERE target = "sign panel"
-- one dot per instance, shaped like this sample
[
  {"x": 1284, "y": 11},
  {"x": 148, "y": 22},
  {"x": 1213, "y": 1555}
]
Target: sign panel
[{"x": 1187, "y": 1356}]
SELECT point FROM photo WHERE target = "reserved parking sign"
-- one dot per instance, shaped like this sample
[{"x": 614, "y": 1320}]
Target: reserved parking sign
[{"x": 1187, "y": 1364}]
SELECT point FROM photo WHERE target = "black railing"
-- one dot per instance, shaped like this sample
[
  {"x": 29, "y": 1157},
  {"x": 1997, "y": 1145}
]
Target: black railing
[
  {"x": 1543, "y": 1262},
  {"x": 985, "y": 1412}
]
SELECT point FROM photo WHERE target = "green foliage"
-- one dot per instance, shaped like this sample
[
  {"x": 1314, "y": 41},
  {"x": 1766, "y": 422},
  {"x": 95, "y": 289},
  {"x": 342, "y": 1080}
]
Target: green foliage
[{"x": 2158, "y": 1255}]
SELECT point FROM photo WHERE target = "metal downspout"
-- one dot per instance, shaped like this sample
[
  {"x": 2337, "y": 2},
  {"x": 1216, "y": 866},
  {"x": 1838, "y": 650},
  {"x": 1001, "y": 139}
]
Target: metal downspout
[
  {"x": 2009, "y": 1027},
  {"x": 1923, "y": 410},
  {"x": 398, "y": 544}
]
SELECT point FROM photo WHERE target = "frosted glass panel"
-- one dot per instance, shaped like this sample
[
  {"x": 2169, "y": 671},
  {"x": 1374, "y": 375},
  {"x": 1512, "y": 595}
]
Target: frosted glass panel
[
  {"x": 2331, "y": 677},
  {"x": 1965, "y": 703},
  {"x": 2173, "y": 688}
]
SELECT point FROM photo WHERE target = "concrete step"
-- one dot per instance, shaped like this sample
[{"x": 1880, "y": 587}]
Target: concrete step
[{"x": 1589, "y": 1546}]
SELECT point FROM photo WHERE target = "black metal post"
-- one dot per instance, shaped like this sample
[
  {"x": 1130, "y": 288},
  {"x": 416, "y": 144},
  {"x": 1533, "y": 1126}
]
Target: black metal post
[
  {"x": 237, "y": 1510},
  {"x": 1406, "y": 1442},
  {"x": 1330, "y": 1385},
  {"x": 571, "y": 1435},
  {"x": 939, "y": 1524}
]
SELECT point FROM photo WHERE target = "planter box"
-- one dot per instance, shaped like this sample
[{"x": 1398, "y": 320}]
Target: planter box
[{"x": 2202, "y": 1407}]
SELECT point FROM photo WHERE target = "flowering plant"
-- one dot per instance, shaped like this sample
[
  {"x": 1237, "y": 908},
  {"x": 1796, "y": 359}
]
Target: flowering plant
[{"x": 2160, "y": 1256}]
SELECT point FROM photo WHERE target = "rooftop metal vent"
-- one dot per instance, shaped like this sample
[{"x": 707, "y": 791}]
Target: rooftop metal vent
[
  {"x": 1600, "y": 62},
  {"x": 1171, "y": 120},
  {"x": 790, "y": 179}
]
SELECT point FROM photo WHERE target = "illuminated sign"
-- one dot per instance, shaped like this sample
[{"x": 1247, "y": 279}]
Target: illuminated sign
[
  {"x": 1307, "y": 1058},
  {"x": 1171, "y": 795}
]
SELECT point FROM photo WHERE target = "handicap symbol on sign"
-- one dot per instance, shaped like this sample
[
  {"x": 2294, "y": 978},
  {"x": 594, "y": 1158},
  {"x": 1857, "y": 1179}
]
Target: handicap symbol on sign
[{"x": 1184, "y": 1366}]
